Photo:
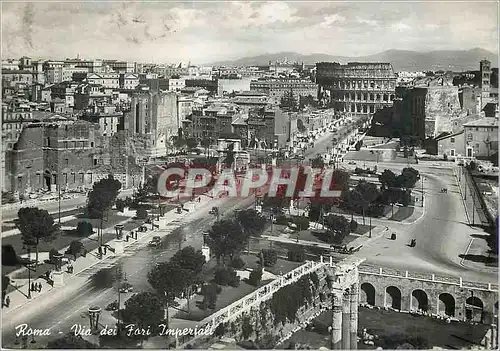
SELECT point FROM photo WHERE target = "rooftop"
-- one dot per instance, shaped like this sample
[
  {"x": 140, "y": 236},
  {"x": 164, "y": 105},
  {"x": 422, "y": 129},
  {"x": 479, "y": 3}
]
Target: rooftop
[{"x": 484, "y": 122}]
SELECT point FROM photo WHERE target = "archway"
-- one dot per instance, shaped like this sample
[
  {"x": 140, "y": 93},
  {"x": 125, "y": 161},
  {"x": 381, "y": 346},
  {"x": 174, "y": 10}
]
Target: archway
[
  {"x": 368, "y": 295},
  {"x": 393, "y": 297},
  {"x": 47, "y": 176},
  {"x": 419, "y": 300},
  {"x": 495, "y": 308},
  {"x": 474, "y": 309},
  {"x": 446, "y": 305}
]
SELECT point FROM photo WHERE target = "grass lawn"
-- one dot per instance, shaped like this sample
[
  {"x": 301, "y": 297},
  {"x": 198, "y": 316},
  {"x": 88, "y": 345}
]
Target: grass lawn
[
  {"x": 387, "y": 323},
  {"x": 363, "y": 229},
  {"x": 112, "y": 219},
  {"x": 402, "y": 213},
  {"x": 230, "y": 294}
]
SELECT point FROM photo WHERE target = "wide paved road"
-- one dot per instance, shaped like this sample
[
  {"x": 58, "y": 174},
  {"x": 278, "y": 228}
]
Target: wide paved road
[
  {"x": 442, "y": 234},
  {"x": 96, "y": 288}
]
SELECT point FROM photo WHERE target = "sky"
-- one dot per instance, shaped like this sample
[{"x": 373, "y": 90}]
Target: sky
[{"x": 203, "y": 32}]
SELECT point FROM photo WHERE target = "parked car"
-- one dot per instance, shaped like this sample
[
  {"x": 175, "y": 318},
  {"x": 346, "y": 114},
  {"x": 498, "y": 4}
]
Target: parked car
[
  {"x": 126, "y": 288},
  {"x": 155, "y": 242}
]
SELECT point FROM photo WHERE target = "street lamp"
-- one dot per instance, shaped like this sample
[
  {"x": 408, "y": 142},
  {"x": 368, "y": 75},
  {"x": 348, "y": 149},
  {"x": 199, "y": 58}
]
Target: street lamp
[
  {"x": 423, "y": 178},
  {"x": 119, "y": 231},
  {"x": 94, "y": 313},
  {"x": 28, "y": 249}
]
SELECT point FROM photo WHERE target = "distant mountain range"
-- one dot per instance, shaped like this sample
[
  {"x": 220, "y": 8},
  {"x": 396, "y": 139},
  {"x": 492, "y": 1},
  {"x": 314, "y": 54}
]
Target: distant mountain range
[{"x": 401, "y": 60}]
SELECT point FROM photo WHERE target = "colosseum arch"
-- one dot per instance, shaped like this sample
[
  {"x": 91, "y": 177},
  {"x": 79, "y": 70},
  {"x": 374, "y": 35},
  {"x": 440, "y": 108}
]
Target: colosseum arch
[
  {"x": 368, "y": 293},
  {"x": 419, "y": 300},
  {"x": 446, "y": 305},
  {"x": 474, "y": 309},
  {"x": 393, "y": 297}
]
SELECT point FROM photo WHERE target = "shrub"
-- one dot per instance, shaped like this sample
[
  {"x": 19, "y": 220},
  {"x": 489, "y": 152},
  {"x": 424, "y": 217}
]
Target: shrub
[
  {"x": 353, "y": 225},
  {"x": 301, "y": 222},
  {"x": 282, "y": 220},
  {"x": 358, "y": 170},
  {"x": 270, "y": 257},
  {"x": 209, "y": 292},
  {"x": 141, "y": 213},
  {"x": 237, "y": 263},
  {"x": 84, "y": 228},
  {"x": 75, "y": 247},
  {"x": 296, "y": 255},
  {"x": 255, "y": 277},
  {"x": 222, "y": 276},
  {"x": 120, "y": 205}
]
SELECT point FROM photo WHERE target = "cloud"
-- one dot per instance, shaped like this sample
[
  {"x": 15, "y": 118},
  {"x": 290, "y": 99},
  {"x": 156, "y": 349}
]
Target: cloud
[
  {"x": 400, "y": 26},
  {"x": 329, "y": 20},
  {"x": 366, "y": 21},
  {"x": 209, "y": 31}
]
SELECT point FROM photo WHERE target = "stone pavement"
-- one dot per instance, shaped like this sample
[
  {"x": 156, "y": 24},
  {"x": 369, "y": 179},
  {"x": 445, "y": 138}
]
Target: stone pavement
[{"x": 71, "y": 282}]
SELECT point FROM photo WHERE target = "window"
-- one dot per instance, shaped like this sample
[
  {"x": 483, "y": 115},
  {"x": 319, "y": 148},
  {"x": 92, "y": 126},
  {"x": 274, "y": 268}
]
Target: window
[
  {"x": 95, "y": 161},
  {"x": 452, "y": 140},
  {"x": 66, "y": 161}
]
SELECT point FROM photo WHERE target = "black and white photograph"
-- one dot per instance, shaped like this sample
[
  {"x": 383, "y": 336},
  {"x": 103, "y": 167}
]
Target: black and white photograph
[{"x": 229, "y": 175}]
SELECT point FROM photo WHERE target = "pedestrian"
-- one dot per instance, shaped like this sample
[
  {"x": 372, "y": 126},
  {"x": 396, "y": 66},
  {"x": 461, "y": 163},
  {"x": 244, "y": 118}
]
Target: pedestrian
[
  {"x": 105, "y": 250},
  {"x": 33, "y": 287},
  {"x": 7, "y": 301},
  {"x": 39, "y": 287},
  {"x": 100, "y": 250}
]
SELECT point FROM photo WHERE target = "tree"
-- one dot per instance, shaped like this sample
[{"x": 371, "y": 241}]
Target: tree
[
  {"x": 5, "y": 285},
  {"x": 226, "y": 238},
  {"x": 255, "y": 277},
  {"x": 75, "y": 247},
  {"x": 338, "y": 228},
  {"x": 144, "y": 310},
  {"x": 288, "y": 102},
  {"x": 270, "y": 257},
  {"x": 296, "y": 255},
  {"x": 141, "y": 213},
  {"x": 364, "y": 195},
  {"x": 341, "y": 179},
  {"x": 35, "y": 225},
  {"x": 408, "y": 178},
  {"x": 101, "y": 198},
  {"x": 300, "y": 126},
  {"x": 120, "y": 205},
  {"x": 171, "y": 280},
  {"x": 388, "y": 179},
  {"x": 318, "y": 162},
  {"x": 70, "y": 341},
  {"x": 229, "y": 159},
  {"x": 210, "y": 292},
  {"x": 237, "y": 263},
  {"x": 226, "y": 276},
  {"x": 191, "y": 143},
  {"x": 205, "y": 143},
  {"x": 189, "y": 258},
  {"x": 301, "y": 222},
  {"x": 392, "y": 196},
  {"x": 84, "y": 228},
  {"x": 252, "y": 222}
]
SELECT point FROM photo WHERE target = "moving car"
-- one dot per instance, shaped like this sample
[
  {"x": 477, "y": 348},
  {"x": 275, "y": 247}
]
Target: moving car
[
  {"x": 155, "y": 242},
  {"x": 126, "y": 288}
]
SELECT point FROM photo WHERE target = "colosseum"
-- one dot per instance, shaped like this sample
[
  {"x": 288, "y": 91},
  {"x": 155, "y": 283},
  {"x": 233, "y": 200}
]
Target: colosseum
[{"x": 356, "y": 88}]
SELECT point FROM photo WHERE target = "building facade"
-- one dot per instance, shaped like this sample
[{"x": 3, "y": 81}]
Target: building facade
[
  {"x": 409, "y": 111},
  {"x": 276, "y": 88},
  {"x": 154, "y": 115},
  {"x": 481, "y": 137},
  {"x": 356, "y": 88}
]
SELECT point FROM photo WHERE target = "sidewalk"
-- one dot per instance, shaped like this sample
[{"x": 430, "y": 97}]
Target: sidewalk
[
  {"x": 417, "y": 214},
  {"x": 18, "y": 297}
]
